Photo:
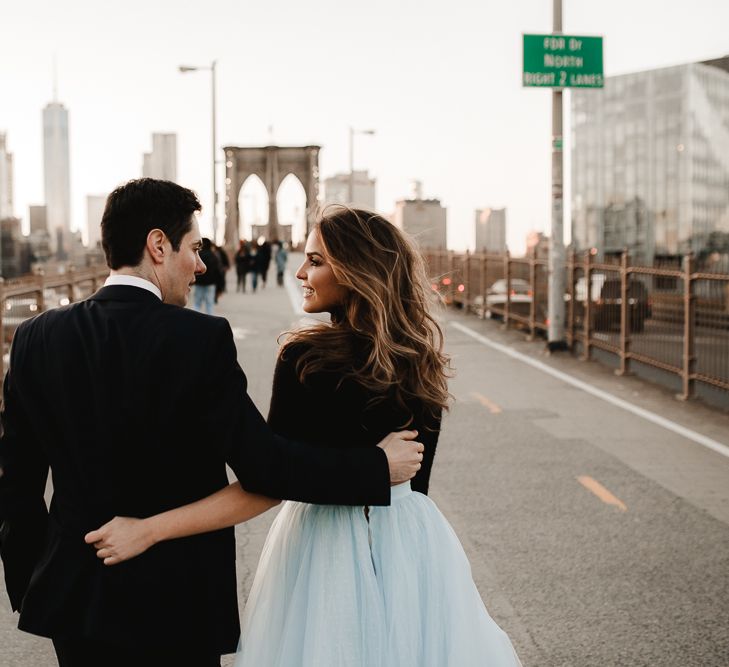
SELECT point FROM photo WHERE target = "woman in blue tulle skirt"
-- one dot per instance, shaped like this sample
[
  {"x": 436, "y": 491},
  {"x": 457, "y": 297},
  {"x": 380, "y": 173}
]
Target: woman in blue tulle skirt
[
  {"x": 354, "y": 586},
  {"x": 342, "y": 586}
]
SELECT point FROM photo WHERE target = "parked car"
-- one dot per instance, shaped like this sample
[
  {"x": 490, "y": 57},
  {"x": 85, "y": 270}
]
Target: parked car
[
  {"x": 606, "y": 298},
  {"x": 520, "y": 298}
]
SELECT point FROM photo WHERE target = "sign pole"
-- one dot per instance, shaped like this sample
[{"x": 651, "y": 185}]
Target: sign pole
[
  {"x": 560, "y": 61},
  {"x": 556, "y": 305}
]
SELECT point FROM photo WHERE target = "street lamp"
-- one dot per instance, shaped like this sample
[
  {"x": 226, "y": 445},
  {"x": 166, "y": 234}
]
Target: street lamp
[
  {"x": 187, "y": 68},
  {"x": 352, "y": 132}
]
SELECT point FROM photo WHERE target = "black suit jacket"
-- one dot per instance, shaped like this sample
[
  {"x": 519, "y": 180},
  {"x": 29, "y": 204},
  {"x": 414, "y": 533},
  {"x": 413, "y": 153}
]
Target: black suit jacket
[{"x": 136, "y": 406}]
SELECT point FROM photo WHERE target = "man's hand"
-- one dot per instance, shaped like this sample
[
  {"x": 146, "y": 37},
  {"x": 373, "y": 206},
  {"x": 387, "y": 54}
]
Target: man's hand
[{"x": 403, "y": 455}]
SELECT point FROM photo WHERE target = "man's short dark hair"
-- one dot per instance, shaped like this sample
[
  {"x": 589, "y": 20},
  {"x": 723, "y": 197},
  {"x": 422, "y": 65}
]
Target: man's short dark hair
[{"x": 135, "y": 209}]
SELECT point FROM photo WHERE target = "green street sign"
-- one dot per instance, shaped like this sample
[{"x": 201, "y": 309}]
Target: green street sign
[{"x": 562, "y": 61}]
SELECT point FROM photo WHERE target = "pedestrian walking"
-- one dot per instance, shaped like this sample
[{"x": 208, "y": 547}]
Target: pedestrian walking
[
  {"x": 263, "y": 258},
  {"x": 253, "y": 265},
  {"x": 281, "y": 258},
  {"x": 242, "y": 265},
  {"x": 224, "y": 266},
  {"x": 206, "y": 283}
]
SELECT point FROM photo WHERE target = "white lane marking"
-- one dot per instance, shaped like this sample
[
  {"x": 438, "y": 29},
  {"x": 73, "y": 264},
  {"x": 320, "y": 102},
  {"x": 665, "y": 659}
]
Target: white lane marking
[
  {"x": 698, "y": 438},
  {"x": 294, "y": 292}
]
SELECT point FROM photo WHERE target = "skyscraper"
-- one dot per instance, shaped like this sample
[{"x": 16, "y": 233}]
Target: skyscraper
[
  {"x": 491, "y": 230},
  {"x": 336, "y": 190},
  {"x": 162, "y": 161},
  {"x": 14, "y": 249},
  {"x": 6, "y": 179},
  {"x": 95, "y": 205},
  {"x": 38, "y": 219},
  {"x": 424, "y": 219},
  {"x": 56, "y": 169},
  {"x": 40, "y": 239},
  {"x": 650, "y": 161}
]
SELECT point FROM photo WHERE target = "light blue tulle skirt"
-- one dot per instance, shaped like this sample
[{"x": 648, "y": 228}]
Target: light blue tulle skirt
[{"x": 338, "y": 588}]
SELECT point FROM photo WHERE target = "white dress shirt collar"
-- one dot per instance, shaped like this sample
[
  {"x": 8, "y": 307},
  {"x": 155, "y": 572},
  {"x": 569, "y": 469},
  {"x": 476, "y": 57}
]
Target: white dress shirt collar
[{"x": 133, "y": 281}]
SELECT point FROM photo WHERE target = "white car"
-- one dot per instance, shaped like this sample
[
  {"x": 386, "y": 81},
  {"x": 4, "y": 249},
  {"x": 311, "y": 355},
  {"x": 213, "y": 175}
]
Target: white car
[{"x": 520, "y": 298}]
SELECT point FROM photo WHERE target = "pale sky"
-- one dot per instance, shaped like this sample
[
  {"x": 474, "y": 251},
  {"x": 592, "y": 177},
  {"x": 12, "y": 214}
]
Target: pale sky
[{"x": 439, "y": 82}]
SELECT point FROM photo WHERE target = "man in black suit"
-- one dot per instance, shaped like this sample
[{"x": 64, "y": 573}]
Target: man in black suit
[{"x": 136, "y": 404}]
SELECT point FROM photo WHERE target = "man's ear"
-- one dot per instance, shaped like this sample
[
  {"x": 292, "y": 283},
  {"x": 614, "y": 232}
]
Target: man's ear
[{"x": 156, "y": 245}]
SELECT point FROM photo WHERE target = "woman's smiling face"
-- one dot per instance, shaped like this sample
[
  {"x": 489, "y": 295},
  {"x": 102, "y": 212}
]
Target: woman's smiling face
[{"x": 322, "y": 292}]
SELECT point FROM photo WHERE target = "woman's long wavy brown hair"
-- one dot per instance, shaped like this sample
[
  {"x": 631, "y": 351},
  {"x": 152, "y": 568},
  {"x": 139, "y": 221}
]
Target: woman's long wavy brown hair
[{"x": 383, "y": 336}]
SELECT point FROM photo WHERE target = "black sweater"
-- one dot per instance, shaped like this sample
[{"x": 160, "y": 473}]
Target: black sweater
[{"x": 321, "y": 413}]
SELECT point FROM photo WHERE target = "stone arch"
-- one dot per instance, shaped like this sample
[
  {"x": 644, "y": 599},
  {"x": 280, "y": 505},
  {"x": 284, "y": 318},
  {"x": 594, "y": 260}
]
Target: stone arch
[
  {"x": 291, "y": 206},
  {"x": 271, "y": 164},
  {"x": 252, "y": 199}
]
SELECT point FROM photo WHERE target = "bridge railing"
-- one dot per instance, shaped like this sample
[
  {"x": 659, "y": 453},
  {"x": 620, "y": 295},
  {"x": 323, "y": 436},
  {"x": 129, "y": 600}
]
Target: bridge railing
[
  {"x": 27, "y": 296},
  {"x": 672, "y": 319}
]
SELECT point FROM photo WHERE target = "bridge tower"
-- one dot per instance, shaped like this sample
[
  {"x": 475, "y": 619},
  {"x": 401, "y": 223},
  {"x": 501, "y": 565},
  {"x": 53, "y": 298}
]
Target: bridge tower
[{"x": 271, "y": 164}]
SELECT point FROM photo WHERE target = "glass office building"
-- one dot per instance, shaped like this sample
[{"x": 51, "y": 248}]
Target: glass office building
[{"x": 650, "y": 162}]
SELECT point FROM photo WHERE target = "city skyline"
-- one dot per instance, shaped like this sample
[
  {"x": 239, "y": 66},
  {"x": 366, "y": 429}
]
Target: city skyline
[{"x": 454, "y": 117}]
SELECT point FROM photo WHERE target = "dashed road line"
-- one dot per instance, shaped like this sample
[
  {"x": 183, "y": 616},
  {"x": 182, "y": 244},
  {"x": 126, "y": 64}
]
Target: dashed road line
[
  {"x": 490, "y": 405},
  {"x": 601, "y": 492}
]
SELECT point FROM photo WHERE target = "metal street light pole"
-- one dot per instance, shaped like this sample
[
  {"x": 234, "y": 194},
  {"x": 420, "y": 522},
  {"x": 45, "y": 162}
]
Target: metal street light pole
[
  {"x": 351, "y": 165},
  {"x": 555, "y": 308},
  {"x": 211, "y": 68},
  {"x": 352, "y": 132},
  {"x": 215, "y": 144}
]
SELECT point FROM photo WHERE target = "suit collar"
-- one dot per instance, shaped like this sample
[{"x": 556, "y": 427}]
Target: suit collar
[
  {"x": 134, "y": 281},
  {"x": 124, "y": 293}
]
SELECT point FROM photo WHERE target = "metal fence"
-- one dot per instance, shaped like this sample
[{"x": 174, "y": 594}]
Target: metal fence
[
  {"x": 674, "y": 319},
  {"x": 22, "y": 298}
]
